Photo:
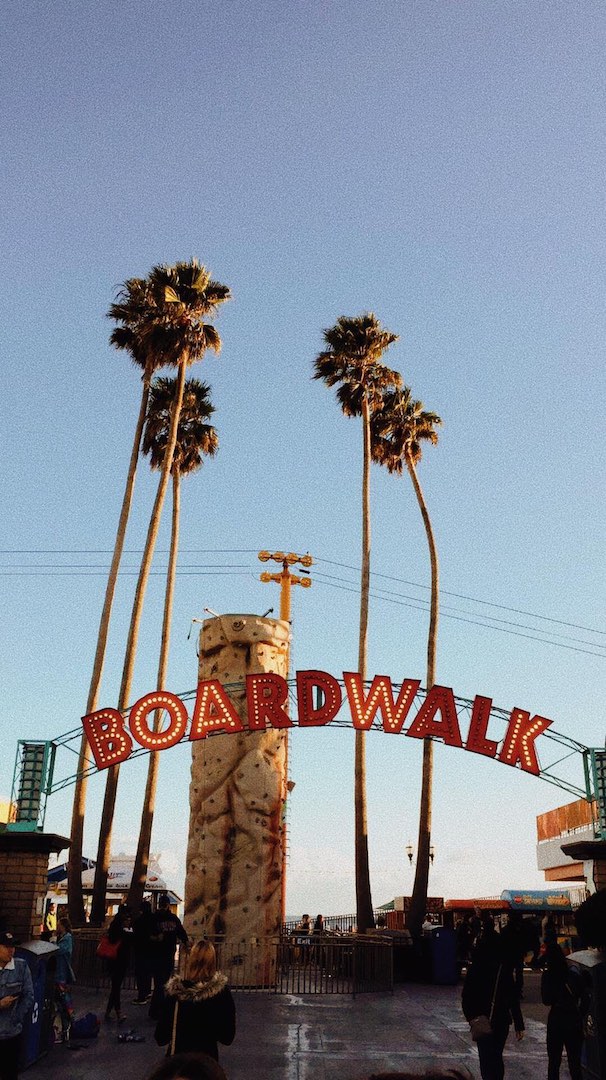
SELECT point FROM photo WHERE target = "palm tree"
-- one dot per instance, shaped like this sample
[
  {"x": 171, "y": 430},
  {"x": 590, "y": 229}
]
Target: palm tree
[
  {"x": 398, "y": 430},
  {"x": 182, "y": 296},
  {"x": 196, "y": 439},
  {"x": 133, "y": 297},
  {"x": 351, "y": 363}
]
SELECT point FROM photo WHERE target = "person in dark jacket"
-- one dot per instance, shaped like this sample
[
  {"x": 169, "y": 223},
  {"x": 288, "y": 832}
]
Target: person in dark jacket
[
  {"x": 120, "y": 932},
  {"x": 563, "y": 990},
  {"x": 165, "y": 931},
  {"x": 197, "y": 1012},
  {"x": 489, "y": 991},
  {"x": 142, "y": 930}
]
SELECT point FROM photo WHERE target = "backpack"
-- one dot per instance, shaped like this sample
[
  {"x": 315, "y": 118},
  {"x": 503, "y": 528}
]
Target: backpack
[{"x": 86, "y": 1027}]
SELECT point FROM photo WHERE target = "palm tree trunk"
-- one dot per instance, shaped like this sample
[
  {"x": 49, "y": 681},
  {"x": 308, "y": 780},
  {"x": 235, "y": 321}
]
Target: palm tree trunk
[
  {"x": 75, "y": 898},
  {"x": 109, "y": 802},
  {"x": 139, "y": 878},
  {"x": 418, "y": 905},
  {"x": 364, "y": 912}
]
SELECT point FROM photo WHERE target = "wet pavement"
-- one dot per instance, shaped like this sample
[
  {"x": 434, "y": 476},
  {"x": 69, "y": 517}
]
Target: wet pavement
[{"x": 313, "y": 1038}]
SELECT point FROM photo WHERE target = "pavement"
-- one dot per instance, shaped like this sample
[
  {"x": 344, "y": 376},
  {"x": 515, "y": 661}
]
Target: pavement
[{"x": 322, "y": 1037}]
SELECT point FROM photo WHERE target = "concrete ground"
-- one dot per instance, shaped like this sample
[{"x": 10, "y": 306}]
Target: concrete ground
[{"x": 314, "y": 1038}]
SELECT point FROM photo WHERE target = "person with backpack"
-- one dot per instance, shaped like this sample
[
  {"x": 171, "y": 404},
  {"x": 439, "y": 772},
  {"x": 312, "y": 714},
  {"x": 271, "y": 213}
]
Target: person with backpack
[
  {"x": 16, "y": 1000},
  {"x": 563, "y": 990}
]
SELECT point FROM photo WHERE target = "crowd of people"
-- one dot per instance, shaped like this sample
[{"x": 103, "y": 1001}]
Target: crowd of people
[
  {"x": 194, "y": 1011},
  {"x": 493, "y": 991}
]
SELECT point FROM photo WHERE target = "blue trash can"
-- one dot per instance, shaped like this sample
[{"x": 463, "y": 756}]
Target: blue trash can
[
  {"x": 443, "y": 956},
  {"x": 592, "y": 966},
  {"x": 37, "y": 1036}
]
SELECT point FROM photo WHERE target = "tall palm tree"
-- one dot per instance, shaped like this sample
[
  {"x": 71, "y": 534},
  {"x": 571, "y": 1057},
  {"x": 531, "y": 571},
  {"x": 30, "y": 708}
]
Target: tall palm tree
[
  {"x": 398, "y": 430},
  {"x": 182, "y": 296},
  {"x": 351, "y": 362},
  {"x": 196, "y": 439},
  {"x": 133, "y": 297}
]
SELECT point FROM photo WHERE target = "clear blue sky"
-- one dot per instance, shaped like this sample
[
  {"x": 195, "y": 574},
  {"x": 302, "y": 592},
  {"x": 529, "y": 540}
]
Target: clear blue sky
[{"x": 440, "y": 164}]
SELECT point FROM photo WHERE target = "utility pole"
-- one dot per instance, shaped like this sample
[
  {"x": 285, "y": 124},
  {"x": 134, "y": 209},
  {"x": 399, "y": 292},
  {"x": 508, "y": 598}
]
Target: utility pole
[{"x": 286, "y": 580}]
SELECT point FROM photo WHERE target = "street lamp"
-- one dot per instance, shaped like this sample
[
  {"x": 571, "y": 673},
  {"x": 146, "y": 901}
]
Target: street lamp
[{"x": 410, "y": 853}]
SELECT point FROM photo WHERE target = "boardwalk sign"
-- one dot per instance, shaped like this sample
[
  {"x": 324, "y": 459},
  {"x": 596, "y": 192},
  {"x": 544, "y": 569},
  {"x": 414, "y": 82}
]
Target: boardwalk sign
[{"x": 113, "y": 735}]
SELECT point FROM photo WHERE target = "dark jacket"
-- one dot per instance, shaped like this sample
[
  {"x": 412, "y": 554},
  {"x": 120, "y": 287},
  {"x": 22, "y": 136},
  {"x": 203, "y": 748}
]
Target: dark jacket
[
  {"x": 206, "y": 1015},
  {"x": 490, "y": 978},
  {"x": 166, "y": 929},
  {"x": 119, "y": 934},
  {"x": 562, "y": 988}
]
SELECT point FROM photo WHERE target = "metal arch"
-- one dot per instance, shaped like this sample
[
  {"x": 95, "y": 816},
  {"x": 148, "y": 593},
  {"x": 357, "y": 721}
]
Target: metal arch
[{"x": 463, "y": 705}]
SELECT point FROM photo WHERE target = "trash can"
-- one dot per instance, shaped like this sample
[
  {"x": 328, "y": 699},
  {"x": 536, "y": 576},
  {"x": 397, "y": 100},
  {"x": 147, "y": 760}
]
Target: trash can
[
  {"x": 443, "y": 955},
  {"x": 37, "y": 1036},
  {"x": 592, "y": 966}
]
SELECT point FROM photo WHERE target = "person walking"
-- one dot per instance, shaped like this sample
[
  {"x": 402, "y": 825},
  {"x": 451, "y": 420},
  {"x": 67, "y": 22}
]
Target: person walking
[
  {"x": 563, "y": 990},
  {"x": 16, "y": 1000},
  {"x": 198, "y": 1012},
  {"x": 165, "y": 931},
  {"x": 64, "y": 977},
  {"x": 119, "y": 933},
  {"x": 490, "y": 1001},
  {"x": 142, "y": 930}
]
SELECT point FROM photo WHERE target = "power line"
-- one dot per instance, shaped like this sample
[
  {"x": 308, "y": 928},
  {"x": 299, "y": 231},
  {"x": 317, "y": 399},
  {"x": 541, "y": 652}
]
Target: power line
[
  {"x": 223, "y": 569},
  {"x": 473, "y": 599},
  {"x": 444, "y": 609},
  {"x": 473, "y": 622}
]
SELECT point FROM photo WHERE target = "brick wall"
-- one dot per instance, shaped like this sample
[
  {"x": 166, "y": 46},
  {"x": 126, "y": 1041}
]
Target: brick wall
[
  {"x": 23, "y": 879},
  {"x": 22, "y": 891},
  {"x": 599, "y": 874}
]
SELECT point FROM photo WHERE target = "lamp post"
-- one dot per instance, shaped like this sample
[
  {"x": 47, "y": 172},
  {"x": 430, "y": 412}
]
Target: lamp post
[{"x": 410, "y": 853}]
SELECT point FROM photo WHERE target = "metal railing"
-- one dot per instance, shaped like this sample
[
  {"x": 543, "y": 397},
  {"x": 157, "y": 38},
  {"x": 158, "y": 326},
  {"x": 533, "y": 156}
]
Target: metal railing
[{"x": 292, "y": 965}]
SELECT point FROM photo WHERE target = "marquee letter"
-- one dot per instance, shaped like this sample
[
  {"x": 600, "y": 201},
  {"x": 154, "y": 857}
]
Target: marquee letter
[
  {"x": 440, "y": 699},
  {"x": 109, "y": 742},
  {"x": 266, "y": 693},
  {"x": 519, "y": 740},
  {"x": 380, "y": 698},
  {"x": 308, "y": 715},
  {"x": 213, "y": 711},
  {"x": 158, "y": 740},
  {"x": 476, "y": 739}
]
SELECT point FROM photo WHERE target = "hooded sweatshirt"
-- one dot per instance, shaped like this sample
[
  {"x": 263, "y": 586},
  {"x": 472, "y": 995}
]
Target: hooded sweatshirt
[{"x": 205, "y": 1012}]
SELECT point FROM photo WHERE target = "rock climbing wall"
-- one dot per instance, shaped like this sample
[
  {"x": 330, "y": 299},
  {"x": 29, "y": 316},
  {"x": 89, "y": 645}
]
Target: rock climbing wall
[{"x": 237, "y": 795}]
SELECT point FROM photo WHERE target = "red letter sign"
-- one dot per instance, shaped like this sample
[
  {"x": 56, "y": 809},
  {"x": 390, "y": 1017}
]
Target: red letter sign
[
  {"x": 266, "y": 693},
  {"x": 440, "y": 699},
  {"x": 213, "y": 711},
  {"x": 308, "y": 715},
  {"x": 158, "y": 740},
  {"x": 380, "y": 698},
  {"x": 519, "y": 740},
  {"x": 476, "y": 739},
  {"x": 109, "y": 742}
]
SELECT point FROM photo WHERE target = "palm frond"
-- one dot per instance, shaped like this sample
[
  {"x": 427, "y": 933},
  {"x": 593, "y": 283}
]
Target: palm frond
[
  {"x": 399, "y": 427},
  {"x": 196, "y": 438}
]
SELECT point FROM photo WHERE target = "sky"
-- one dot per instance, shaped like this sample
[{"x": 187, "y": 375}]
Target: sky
[{"x": 441, "y": 164}]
